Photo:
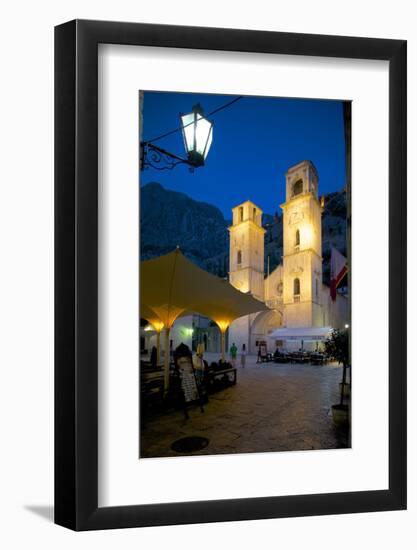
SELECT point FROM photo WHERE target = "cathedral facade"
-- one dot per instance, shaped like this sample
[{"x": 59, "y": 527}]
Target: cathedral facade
[{"x": 299, "y": 302}]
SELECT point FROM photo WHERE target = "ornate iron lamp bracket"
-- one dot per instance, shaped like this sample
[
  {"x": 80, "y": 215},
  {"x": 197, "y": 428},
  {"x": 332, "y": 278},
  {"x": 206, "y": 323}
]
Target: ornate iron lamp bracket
[{"x": 159, "y": 159}]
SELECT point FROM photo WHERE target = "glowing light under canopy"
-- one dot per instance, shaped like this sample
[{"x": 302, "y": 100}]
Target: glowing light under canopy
[
  {"x": 223, "y": 325},
  {"x": 158, "y": 325},
  {"x": 198, "y": 135}
]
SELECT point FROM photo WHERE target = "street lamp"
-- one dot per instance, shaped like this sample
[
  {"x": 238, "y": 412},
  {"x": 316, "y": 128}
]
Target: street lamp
[{"x": 197, "y": 133}]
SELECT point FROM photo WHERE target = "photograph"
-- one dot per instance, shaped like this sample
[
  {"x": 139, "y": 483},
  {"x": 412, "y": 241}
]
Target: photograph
[{"x": 244, "y": 274}]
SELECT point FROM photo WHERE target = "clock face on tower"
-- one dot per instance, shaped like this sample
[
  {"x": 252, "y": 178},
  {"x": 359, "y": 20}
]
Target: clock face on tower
[{"x": 295, "y": 217}]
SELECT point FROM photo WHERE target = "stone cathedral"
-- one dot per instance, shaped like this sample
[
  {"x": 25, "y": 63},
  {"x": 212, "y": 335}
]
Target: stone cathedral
[{"x": 294, "y": 291}]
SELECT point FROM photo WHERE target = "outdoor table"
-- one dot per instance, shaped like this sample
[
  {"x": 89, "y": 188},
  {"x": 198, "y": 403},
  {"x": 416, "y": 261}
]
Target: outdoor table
[
  {"x": 317, "y": 358},
  {"x": 281, "y": 357},
  {"x": 299, "y": 357}
]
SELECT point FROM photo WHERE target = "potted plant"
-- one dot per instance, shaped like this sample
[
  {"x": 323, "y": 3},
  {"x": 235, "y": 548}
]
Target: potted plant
[{"x": 337, "y": 346}]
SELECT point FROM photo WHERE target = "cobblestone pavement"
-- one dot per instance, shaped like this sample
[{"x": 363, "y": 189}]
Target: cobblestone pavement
[{"x": 273, "y": 407}]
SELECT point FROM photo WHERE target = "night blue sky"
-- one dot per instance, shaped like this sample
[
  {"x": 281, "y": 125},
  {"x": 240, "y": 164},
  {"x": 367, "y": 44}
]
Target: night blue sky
[{"x": 255, "y": 141}]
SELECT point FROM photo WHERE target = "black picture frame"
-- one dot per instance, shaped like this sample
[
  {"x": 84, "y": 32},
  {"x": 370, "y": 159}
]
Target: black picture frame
[{"x": 76, "y": 272}]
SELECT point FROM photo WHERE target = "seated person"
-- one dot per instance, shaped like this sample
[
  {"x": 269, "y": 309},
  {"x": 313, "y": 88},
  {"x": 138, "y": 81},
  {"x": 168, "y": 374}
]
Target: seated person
[
  {"x": 198, "y": 361},
  {"x": 199, "y": 365}
]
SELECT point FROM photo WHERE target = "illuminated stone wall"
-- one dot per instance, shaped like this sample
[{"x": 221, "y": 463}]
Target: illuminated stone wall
[
  {"x": 239, "y": 333},
  {"x": 336, "y": 313},
  {"x": 274, "y": 288}
]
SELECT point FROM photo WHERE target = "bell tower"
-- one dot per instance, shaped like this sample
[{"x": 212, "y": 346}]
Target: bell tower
[
  {"x": 302, "y": 261},
  {"x": 246, "y": 261},
  {"x": 246, "y": 265}
]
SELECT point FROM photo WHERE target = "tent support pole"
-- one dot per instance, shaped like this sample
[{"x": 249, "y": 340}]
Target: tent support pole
[
  {"x": 158, "y": 346},
  {"x": 223, "y": 334},
  {"x": 166, "y": 360}
]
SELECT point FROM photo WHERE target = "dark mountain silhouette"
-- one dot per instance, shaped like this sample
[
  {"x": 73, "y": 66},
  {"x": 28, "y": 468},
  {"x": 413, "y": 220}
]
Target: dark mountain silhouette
[{"x": 170, "y": 218}]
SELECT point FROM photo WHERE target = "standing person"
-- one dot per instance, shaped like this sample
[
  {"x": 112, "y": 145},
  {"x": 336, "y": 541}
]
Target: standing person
[
  {"x": 198, "y": 363},
  {"x": 243, "y": 356},
  {"x": 259, "y": 358},
  {"x": 233, "y": 354}
]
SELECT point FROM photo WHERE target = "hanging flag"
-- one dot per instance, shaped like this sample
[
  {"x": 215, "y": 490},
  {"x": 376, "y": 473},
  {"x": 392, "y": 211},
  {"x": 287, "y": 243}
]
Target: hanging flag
[{"x": 338, "y": 269}]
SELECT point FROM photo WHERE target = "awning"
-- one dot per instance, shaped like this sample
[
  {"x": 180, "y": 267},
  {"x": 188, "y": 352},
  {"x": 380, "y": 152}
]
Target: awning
[
  {"x": 302, "y": 333},
  {"x": 171, "y": 285}
]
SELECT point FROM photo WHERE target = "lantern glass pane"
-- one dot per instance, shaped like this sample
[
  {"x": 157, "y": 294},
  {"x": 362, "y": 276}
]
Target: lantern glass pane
[
  {"x": 203, "y": 136},
  {"x": 188, "y": 130},
  {"x": 209, "y": 140}
]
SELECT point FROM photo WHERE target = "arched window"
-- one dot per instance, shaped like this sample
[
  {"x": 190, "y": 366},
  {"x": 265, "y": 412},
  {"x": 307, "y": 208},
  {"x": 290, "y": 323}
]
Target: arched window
[
  {"x": 239, "y": 256},
  {"x": 254, "y": 214},
  {"x": 297, "y": 187},
  {"x": 297, "y": 238},
  {"x": 296, "y": 287},
  {"x": 241, "y": 213}
]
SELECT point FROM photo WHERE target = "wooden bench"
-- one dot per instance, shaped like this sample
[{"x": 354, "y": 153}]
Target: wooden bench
[{"x": 221, "y": 375}]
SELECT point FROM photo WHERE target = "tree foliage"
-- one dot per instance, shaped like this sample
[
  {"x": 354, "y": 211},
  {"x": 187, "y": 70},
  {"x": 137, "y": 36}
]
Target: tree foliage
[{"x": 337, "y": 346}]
